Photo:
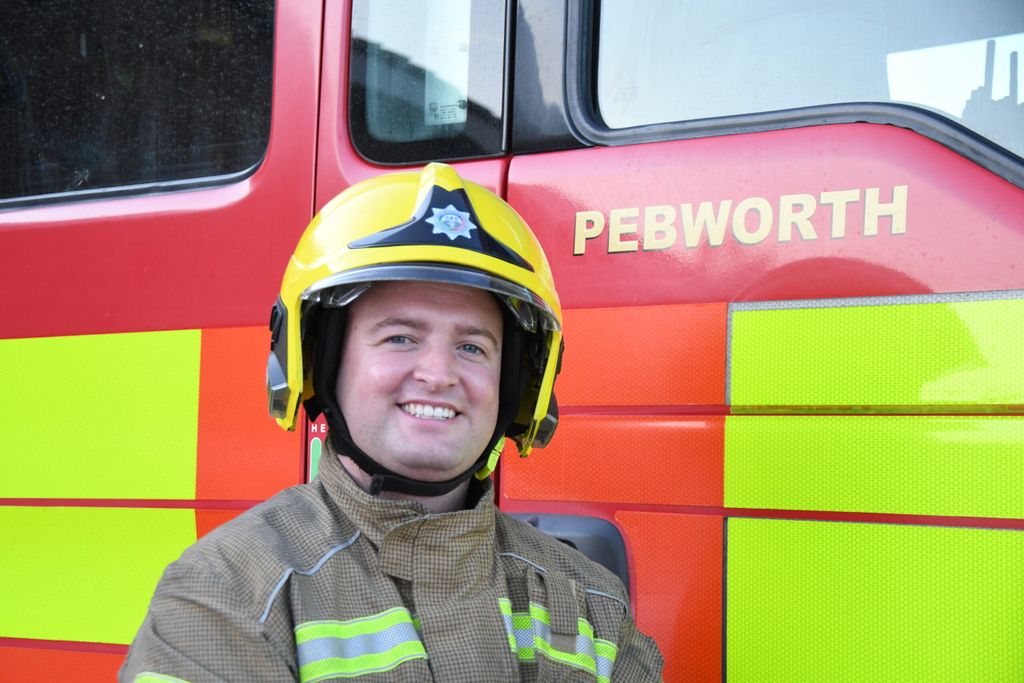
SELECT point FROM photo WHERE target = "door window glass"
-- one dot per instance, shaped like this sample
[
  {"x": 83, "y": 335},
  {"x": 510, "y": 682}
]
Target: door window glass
[
  {"x": 665, "y": 60},
  {"x": 426, "y": 79}
]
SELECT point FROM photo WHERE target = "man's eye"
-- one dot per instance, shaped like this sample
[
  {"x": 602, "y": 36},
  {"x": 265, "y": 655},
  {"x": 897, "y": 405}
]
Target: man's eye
[
  {"x": 474, "y": 349},
  {"x": 398, "y": 339}
]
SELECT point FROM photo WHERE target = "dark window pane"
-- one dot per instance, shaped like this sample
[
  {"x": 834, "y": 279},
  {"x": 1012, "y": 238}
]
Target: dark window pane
[{"x": 108, "y": 93}]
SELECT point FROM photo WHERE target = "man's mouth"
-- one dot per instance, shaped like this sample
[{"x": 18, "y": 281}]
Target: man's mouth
[{"x": 428, "y": 412}]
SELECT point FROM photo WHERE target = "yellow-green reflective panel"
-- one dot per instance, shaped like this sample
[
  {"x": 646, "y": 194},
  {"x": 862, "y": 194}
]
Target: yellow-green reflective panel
[
  {"x": 100, "y": 416},
  {"x": 84, "y": 574},
  {"x": 956, "y": 353},
  {"x": 833, "y": 601},
  {"x": 903, "y": 464}
]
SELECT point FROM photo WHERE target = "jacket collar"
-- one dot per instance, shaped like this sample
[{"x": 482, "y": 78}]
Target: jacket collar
[{"x": 405, "y": 533}]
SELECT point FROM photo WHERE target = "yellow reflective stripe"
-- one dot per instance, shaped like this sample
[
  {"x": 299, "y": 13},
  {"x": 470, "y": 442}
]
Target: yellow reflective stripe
[
  {"x": 351, "y": 667},
  {"x": 606, "y": 651},
  {"x": 345, "y": 649},
  {"x": 520, "y": 631},
  {"x": 353, "y": 627},
  {"x": 150, "y": 677},
  {"x": 530, "y": 633},
  {"x": 579, "y": 660},
  {"x": 505, "y": 607}
]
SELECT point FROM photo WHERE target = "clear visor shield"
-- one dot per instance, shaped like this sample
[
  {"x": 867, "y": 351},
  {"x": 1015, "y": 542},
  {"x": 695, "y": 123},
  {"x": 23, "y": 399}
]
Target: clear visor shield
[{"x": 529, "y": 310}]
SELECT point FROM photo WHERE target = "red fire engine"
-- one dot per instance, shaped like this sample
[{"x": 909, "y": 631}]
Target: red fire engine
[{"x": 788, "y": 242}]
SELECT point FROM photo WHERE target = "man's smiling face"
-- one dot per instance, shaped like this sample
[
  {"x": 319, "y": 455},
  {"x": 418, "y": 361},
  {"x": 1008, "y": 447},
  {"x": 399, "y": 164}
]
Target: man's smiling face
[{"x": 419, "y": 377}]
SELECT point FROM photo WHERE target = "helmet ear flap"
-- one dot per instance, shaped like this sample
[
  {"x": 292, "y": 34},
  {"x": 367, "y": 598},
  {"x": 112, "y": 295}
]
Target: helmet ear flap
[
  {"x": 527, "y": 385},
  {"x": 278, "y": 393},
  {"x": 513, "y": 376},
  {"x": 547, "y": 426},
  {"x": 327, "y": 329},
  {"x": 535, "y": 361}
]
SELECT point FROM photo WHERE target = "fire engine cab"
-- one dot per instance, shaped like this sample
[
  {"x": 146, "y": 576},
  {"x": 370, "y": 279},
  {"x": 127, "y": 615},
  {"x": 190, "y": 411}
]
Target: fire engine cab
[{"x": 788, "y": 242}]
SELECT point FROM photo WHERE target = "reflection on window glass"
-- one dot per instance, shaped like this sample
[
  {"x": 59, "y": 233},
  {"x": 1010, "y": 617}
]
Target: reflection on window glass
[
  {"x": 436, "y": 49},
  {"x": 976, "y": 81},
  {"x": 105, "y": 93},
  {"x": 427, "y": 79},
  {"x": 663, "y": 60}
]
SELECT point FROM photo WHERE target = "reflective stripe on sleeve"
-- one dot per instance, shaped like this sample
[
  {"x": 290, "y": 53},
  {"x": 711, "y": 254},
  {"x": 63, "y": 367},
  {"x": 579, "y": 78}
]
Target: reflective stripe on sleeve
[
  {"x": 346, "y": 649},
  {"x": 529, "y": 634},
  {"x": 150, "y": 677}
]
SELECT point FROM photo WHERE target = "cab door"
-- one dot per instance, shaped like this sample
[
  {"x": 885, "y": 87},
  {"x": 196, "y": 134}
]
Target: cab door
[
  {"x": 156, "y": 169},
  {"x": 788, "y": 248}
]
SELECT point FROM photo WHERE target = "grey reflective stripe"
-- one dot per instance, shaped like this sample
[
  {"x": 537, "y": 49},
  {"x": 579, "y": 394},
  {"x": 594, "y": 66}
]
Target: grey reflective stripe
[
  {"x": 953, "y": 297},
  {"x": 523, "y": 559},
  {"x": 605, "y": 659},
  {"x": 609, "y": 596},
  {"x": 519, "y": 628},
  {"x": 356, "y": 646},
  {"x": 346, "y": 649},
  {"x": 304, "y": 572},
  {"x": 529, "y": 635}
]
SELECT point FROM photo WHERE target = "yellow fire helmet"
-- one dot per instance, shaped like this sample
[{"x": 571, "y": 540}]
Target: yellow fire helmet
[{"x": 418, "y": 226}]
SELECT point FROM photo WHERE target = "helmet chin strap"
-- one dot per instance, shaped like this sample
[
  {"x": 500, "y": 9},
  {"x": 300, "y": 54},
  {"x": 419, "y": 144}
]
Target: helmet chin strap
[
  {"x": 327, "y": 354},
  {"x": 382, "y": 478}
]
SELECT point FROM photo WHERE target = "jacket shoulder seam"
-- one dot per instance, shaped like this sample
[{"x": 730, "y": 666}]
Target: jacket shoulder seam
[{"x": 304, "y": 572}]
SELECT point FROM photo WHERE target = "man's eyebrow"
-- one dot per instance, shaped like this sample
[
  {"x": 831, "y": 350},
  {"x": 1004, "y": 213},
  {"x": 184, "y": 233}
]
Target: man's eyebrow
[
  {"x": 414, "y": 324},
  {"x": 395, "y": 321},
  {"x": 471, "y": 331}
]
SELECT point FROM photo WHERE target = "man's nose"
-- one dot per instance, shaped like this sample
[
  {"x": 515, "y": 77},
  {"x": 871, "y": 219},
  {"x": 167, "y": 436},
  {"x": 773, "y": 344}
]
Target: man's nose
[{"x": 435, "y": 366}]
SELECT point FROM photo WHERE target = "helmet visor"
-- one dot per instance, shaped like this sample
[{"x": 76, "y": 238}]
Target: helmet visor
[{"x": 529, "y": 310}]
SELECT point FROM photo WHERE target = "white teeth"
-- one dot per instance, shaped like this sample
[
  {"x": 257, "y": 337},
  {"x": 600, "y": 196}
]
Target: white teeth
[{"x": 428, "y": 412}]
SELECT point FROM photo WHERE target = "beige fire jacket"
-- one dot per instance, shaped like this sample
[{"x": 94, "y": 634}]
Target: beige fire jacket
[{"x": 324, "y": 582}]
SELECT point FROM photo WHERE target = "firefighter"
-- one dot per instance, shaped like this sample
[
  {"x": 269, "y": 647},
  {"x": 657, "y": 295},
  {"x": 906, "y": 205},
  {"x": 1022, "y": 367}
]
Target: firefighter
[{"x": 419, "y": 316}]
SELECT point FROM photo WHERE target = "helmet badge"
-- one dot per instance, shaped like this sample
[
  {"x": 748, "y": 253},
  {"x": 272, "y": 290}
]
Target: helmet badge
[{"x": 451, "y": 222}]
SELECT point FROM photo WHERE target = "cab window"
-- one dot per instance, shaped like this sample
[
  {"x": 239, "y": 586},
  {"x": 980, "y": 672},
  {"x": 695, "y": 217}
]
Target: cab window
[
  {"x": 103, "y": 94},
  {"x": 426, "y": 79},
  {"x": 666, "y": 61}
]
